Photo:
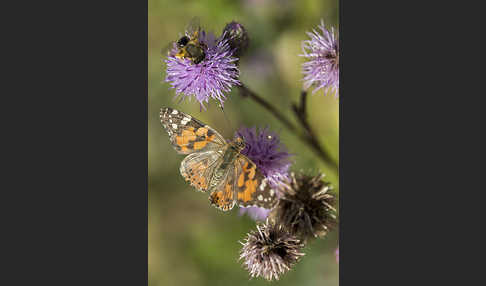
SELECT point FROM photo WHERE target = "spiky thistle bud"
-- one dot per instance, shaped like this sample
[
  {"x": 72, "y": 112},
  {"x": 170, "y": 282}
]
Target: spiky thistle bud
[
  {"x": 237, "y": 38},
  {"x": 306, "y": 208},
  {"x": 270, "y": 251}
]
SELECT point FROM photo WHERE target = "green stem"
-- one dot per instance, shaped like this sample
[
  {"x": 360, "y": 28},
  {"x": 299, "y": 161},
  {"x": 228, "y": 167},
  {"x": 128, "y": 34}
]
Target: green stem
[{"x": 309, "y": 137}]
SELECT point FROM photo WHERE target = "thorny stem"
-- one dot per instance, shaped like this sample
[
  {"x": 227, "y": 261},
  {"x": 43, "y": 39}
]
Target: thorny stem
[{"x": 300, "y": 111}]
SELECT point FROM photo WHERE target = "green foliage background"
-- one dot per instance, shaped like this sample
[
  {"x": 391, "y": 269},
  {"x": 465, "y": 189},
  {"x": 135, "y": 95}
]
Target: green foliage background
[{"x": 190, "y": 242}]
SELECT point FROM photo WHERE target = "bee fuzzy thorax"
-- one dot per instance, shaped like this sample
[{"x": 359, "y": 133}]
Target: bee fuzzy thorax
[{"x": 191, "y": 47}]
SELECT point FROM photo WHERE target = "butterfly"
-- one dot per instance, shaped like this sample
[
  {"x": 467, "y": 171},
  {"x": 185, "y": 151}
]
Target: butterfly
[{"x": 214, "y": 165}]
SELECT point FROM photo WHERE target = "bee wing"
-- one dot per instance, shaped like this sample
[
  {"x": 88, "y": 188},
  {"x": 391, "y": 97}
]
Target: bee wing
[
  {"x": 193, "y": 28},
  {"x": 170, "y": 50}
]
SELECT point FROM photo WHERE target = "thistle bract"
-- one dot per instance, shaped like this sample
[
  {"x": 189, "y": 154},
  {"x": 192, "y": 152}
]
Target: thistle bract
[{"x": 237, "y": 38}]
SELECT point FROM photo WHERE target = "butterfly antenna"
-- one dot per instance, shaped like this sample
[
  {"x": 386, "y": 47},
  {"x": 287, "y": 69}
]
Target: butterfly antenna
[{"x": 226, "y": 117}]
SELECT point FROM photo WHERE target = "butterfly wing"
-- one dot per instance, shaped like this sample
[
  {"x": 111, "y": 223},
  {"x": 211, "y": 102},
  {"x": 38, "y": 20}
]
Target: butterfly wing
[
  {"x": 252, "y": 188},
  {"x": 198, "y": 168},
  {"x": 189, "y": 135},
  {"x": 223, "y": 197}
]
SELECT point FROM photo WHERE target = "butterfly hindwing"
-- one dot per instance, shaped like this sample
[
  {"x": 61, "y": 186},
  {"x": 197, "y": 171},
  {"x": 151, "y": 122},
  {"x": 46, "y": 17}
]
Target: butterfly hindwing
[
  {"x": 189, "y": 135},
  {"x": 198, "y": 168},
  {"x": 223, "y": 197},
  {"x": 252, "y": 188}
]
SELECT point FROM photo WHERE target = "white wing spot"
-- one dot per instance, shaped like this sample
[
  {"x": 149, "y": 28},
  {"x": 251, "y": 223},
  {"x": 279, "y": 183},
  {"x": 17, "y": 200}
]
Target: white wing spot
[
  {"x": 175, "y": 111},
  {"x": 260, "y": 197},
  {"x": 174, "y": 126},
  {"x": 263, "y": 184},
  {"x": 272, "y": 192},
  {"x": 185, "y": 120}
]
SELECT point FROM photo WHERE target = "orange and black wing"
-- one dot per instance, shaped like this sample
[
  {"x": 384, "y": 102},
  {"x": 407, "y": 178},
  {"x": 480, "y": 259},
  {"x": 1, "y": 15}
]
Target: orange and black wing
[
  {"x": 189, "y": 135},
  {"x": 252, "y": 188},
  {"x": 223, "y": 197}
]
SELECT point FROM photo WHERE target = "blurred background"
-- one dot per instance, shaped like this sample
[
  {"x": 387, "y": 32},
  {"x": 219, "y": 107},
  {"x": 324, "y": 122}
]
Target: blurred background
[{"x": 190, "y": 242}]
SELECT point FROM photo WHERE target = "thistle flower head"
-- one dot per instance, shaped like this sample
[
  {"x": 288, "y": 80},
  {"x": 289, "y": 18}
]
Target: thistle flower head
[
  {"x": 264, "y": 148},
  {"x": 211, "y": 78},
  {"x": 306, "y": 208},
  {"x": 237, "y": 38},
  {"x": 270, "y": 251},
  {"x": 321, "y": 68},
  {"x": 256, "y": 213}
]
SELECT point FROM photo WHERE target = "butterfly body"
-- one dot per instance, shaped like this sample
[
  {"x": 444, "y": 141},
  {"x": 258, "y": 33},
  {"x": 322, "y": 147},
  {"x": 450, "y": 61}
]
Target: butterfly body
[{"x": 214, "y": 165}]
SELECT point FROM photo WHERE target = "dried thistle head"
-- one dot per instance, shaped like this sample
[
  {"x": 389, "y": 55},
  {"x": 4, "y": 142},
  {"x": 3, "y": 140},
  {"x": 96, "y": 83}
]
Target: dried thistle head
[
  {"x": 306, "y": 208},
  {"x": 270, "y": 251}
]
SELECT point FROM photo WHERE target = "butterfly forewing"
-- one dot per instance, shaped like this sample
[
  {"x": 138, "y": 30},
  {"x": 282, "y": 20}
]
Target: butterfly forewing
[{"x": 189, "y": 135}]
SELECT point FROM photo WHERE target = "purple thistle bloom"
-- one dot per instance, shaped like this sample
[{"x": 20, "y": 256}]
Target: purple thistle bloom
[
  {"x": 266, "y": 151},
  {"x": 256, "y": 213},
  {"x": 321, "y": 69},
  {"x": 211, "y": 78}
]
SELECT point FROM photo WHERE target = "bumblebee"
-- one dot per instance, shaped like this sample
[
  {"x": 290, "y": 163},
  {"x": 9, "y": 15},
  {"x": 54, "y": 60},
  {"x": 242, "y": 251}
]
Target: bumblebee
[{"x": 189, "y": 45}]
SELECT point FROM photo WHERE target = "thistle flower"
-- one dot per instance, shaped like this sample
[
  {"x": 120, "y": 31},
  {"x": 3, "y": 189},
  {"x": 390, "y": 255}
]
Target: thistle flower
[
  {"x": 210, "y": 78},
  {"x": 264, "y": 148},
  {"x": 321, "y": 69},
  {"x": 306, "y": 208},
  {"x": 237, "y": 38},
  {"x": 270, "y": 252},
  {"x": 256, "y": 213}
]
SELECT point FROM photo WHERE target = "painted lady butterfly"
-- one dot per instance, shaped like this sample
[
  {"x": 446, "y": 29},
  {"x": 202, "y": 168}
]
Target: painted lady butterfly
[{"x": 214, "y": 166}]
